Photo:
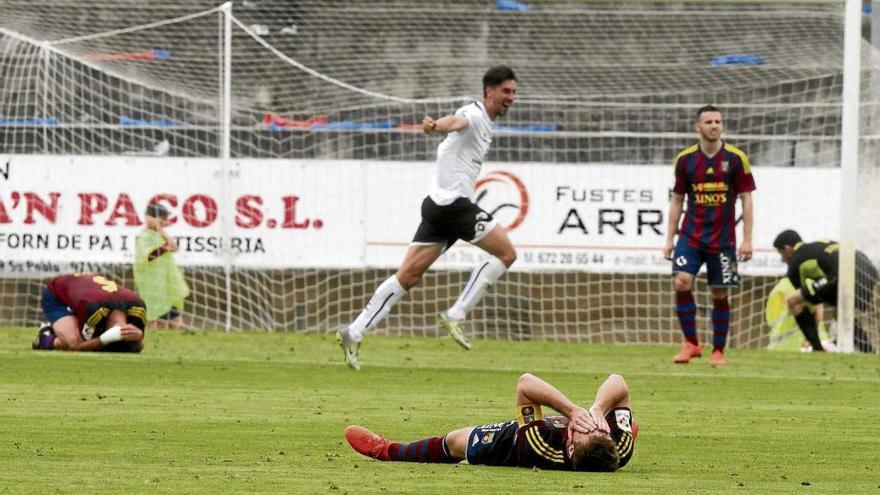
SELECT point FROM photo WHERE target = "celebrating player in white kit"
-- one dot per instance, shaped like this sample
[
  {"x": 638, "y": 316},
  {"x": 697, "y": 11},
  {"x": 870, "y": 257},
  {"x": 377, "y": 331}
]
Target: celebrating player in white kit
[{"x": 448, "y": 214}]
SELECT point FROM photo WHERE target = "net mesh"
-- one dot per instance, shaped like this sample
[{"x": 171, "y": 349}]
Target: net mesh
[{"x": 600, "y": 83}]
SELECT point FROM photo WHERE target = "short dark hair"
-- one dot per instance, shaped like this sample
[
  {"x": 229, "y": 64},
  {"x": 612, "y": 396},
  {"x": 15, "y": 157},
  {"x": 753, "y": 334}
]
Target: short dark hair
[
  {"x": 157, "y": 210},
  {"x": 787, "y": 237},
  {"x": 706, "y": 108},
  {"x": 596, "y": 454},
  {"x": 496, "y": 76}
]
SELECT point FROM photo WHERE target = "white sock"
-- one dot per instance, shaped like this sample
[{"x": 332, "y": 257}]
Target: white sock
[
  {"x": 484, "y": 275},
  {"x": 385, "y": 297}
]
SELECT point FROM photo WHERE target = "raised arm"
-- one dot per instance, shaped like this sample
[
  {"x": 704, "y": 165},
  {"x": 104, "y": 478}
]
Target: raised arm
[
  {"x": 159, "y": 224},
  {"x": 611, "y": 394},
  {"x": 444, "y": 125},
  {"x": 532, "y": 390}
]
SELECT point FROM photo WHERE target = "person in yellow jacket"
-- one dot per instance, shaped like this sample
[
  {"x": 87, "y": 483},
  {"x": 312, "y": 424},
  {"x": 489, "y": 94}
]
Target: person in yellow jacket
[
  {"x": 157, "y": 277},
  {"x": 785, "y": 334}
]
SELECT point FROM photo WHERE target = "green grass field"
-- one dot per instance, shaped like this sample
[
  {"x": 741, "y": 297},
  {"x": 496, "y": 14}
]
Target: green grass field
[{"x": 264, "y": 413}]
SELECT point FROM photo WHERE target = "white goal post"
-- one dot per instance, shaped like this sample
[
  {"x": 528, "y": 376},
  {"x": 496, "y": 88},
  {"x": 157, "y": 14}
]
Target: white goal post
[{"x": 283, "y": 138}]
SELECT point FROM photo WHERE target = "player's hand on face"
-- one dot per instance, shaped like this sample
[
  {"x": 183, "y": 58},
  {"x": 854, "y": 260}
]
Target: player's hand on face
[
  {"x": 745, "y": 251},
  {"x": 130, "y": 333},
  {"x": 580, "y": 421},
  {"x": 428, "y": 125},
  {"x": 601, "y": 424}
]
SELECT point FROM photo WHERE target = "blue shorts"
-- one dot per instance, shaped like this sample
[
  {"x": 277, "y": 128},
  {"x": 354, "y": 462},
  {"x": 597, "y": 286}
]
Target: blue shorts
[
  {"x": 53, "y": 308},
  {"x": 720, "y": 267},
  {"x": 492, "y": 444}
]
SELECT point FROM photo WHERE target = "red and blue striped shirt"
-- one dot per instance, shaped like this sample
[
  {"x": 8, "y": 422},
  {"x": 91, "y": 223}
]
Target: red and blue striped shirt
[{"x": 711, "y": 185}]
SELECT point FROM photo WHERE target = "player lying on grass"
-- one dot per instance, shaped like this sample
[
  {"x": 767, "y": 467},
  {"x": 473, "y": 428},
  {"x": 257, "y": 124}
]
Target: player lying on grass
[
  {"x": 599, "y": 439},
  {"x": 88, "y": 312}
]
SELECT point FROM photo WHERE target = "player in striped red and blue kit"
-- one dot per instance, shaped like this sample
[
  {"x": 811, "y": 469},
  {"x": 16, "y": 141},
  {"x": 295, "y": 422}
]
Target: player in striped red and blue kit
[
  {"x": 599, "y": 439},
  {"x": 712, "y": 174},
  {"x": 89, "y": 312}
]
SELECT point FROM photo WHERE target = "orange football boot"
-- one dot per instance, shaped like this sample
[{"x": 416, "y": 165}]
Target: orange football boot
[
  {"x": 687, "y": 352},
  {"x": 717, "y": 359},
  {"x": 367, "y": 443}
]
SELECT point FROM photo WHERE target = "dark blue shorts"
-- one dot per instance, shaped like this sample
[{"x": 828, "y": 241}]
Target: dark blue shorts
[
  {"x": 53, "y": 308},
  {"x": 492, "y": 444},
  {"x": 721, "y": 267}
]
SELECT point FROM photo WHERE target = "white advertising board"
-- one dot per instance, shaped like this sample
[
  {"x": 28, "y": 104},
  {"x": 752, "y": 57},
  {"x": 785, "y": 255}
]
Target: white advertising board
[
  {"x": 270, "y": 213},
  {"x": 604, "y": 218},
  {"x": 59, "y": 213}
]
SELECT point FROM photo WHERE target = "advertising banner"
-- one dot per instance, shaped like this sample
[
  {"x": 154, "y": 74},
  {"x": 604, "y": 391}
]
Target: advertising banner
[
  {"x": 602, "y": 218},
  {"x": 67, "y": 213},
  {"x": 64, "y": 213}
]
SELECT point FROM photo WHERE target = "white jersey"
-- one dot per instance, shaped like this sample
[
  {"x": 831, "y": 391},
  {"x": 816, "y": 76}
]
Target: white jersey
[{"x": 460, "y": 156}]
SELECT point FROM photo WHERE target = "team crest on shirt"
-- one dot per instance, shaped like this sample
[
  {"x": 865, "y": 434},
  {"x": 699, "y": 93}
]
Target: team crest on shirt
[
  {"x": 623, "y": 418},
  {"x": 558, "y": 423},
  {"x": 725, "y": 166},
  {"x": 488, "y": 437}
]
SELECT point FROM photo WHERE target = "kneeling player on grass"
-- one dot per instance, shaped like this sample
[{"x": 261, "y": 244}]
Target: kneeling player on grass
[
  {"x": 813, "y": 269},
  {"x": 599, "y": 439},
  {"x": 88, "y": 312}
]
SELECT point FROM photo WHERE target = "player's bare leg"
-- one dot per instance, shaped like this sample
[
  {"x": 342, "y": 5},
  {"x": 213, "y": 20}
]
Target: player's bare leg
[
  {"x": 418, "y": 259},
  {"x": 67, "y": 334},
  {"x": 456, "y": 442},
  {"x": 686, "y": 309},
  {"x": 501, "y": 256}
]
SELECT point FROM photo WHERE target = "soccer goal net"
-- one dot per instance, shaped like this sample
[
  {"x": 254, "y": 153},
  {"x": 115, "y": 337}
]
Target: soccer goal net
[{"x": 283, "y": 139}]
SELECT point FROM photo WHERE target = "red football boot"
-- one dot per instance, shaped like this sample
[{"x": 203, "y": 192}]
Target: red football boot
[
  {"x": 687, "y": 352},
  {"x": 717, "y": 359},
  {"x": 367, "y": 443}
]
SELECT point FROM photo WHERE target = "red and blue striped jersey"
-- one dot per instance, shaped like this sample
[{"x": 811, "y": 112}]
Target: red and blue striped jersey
[
  {"x": 711, "y": 185},
  {"x": 92, "y": 297}
]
